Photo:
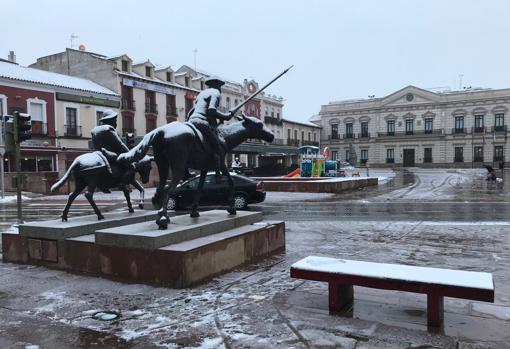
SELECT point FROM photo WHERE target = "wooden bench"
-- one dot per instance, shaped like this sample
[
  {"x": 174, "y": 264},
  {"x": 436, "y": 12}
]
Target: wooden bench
[{"x": 436, "y": 283}]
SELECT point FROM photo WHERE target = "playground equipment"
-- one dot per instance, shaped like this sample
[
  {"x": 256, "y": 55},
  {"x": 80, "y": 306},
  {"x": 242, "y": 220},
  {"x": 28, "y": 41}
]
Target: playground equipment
[{"x": 312, "y": 164}]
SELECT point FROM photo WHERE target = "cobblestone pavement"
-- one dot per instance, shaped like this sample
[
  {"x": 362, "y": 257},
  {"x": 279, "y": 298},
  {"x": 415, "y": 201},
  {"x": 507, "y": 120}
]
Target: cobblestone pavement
[{"x": 260, "y": 306}]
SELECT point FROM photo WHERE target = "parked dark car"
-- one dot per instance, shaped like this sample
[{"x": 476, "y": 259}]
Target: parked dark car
[{"x": 247, "y": 191}]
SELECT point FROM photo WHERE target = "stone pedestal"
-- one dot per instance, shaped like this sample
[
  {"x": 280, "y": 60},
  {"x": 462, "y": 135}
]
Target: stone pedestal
[{"x": 191, "y": 251}]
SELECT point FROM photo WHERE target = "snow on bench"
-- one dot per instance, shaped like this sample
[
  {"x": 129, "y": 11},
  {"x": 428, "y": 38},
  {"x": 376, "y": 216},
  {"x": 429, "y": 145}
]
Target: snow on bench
[{"x": 342, "y": 274}]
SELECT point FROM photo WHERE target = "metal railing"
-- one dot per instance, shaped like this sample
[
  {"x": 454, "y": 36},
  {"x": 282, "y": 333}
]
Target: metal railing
[
  {"x": 390, "y": 161},
  {"x": 427, "y": 159},
  {"x": 348, "y": 135},
  {"x": 278, "y": 141},
  {"x": 457, "y": 131},
  {"x": 364, "y": 135},
  {"x": 458, "y": 159},
  {"x": 498, "y": 158},
  {"x": 272, "y": 120},
  {"x": 478, "y": 129},
  {"x": 151, "y": 108},
  {"x": 411, "y": 133},
  {"x": 39, "y": 128},
  {"x": 171, "y": 110},
  {"x": 293, "y": 142},
  {"x": 478, "y": 159},
  {"x": 315, "y": 144},
  {"x": 499, "y": 128},
  {"x": 128, "y": 104},
  {"x": 72, "y": 131},
  {"x": 333, "y": 136}
]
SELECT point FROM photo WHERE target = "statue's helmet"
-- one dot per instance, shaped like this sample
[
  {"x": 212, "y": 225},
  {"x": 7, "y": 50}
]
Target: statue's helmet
[
  {"x": 108, "y": 114},
  {"x": 214, "y": 81}
]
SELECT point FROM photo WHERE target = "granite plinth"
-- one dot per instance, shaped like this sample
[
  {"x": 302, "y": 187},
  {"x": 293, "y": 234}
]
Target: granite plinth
[
  {"x": 147, "y": 236},
  {"x": 76, "y": 226}
]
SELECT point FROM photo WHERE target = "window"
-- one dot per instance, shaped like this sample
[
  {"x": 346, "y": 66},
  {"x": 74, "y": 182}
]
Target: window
[
  {"x": 427, "y": 155},
  {"x": 127, "y": 98},
  {"x": 150, "y": 102},
  {"x": 277, "y": 115},
  {"x": 364, "y": 156},
  {"x": 390, "y": 156},
  {"x": 391, "y": 127},
  {"x": 37, "y": 111},
  {"x": 150, "y": 124},
  {"x": 364, "y": 129},
  {"x": 188, "y": 105},
  {"x": 302, "y": 136},
  {"x": 71, "y": 126},
  {"x": 479, "y": 123},
  {"x": 409, "y": 126},
  {"x": 168, "y": 76},
  {"x": 478, "y": 154},
  {"x": 498, "y": 153},
  {"x": 170, "y": 105},
  {"x": 309, "y": 136},
  {"x": 334, "y": 155},
  {"x": 186, "y": 81},
  {"x": 429, "y": 125},
  {"x": 315, "y": 137},
  {"x": 499, "y": 122},
  {"x": 228, "y": 103},
  {"x": 348, "y": 130},
  {"x": 99, "y": 114},
  {"x": 459, "y": 124},
  {"x": 35, "y": 163},
  {"x": 295, "y": 135},
  {"x": 125, "y": 65},
  {"x": 44, "y": 163},
  {"x": 127, "y": 124},
  {"x": 347, "y": 155},
  {"x": 148, "y": 71},
  {"x": 334, "y": 131},
  {"x": 288, "y": 133},
  {"x": 459, "y": 154}
]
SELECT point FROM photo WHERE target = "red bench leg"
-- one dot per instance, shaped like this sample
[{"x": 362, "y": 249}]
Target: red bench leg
[
  {"x": 340, "y": 296},
  {"x": 435, "y": 309}
]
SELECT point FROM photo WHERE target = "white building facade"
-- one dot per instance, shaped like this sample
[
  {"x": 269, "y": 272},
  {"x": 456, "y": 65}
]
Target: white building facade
[{"x": 417, "y": 127}]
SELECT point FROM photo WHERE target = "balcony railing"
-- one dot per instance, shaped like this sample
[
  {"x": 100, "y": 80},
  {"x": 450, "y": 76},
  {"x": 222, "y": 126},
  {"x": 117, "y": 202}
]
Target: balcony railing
[
  {"x": 333, "y": 136},
  {"x": 499, "y": 128},
  {"x": 278, "y": 141},
  {"x": 348, "y": 135},
  {"x": 39, "y": 128},
  {"x": 151, "y": 108},
  {"x": 272, "y": 120},
  {"x": 293, "y": 142},
  {"x": 427, "y": 159},
  {"x": 171, "y": 110},
  {"x": 128, "y": 130},
  {"x": 364, "y": 135},
  {"x": 72, "y": 131},
  {"x": 435, "y": 132},
  {"x": 459, "y": 131},
  {"x": 478, "y": 129},
  {"x": 499, "y": 158},
  {"x": 312, "y": 143},
  {"x": 478, "y": 159},
  {"x": 128, "y": 104},
  {"x": 458, "y": 159},
  {"x": 390, "y": 161}
]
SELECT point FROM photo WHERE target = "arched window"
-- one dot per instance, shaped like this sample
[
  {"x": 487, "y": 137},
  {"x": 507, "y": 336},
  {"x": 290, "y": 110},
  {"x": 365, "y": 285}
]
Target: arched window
[{"x": 228, "y": 103}]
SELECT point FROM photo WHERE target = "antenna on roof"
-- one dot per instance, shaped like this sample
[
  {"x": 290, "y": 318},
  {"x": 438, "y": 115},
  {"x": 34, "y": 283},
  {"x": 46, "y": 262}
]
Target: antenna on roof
[
  {"x": 195, "y": 51},
  {"x": 71, "y": 39}
]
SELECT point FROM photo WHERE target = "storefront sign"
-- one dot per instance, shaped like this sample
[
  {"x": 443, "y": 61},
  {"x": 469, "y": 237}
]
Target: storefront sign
[
  {"x": 148, "y": 86},
  {"x": 87, "y": 100}
]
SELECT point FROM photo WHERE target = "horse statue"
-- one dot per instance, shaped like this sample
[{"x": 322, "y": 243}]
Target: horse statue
[
  {"x": 178, "y": 146},
  {"x": 92, "y": 170}
]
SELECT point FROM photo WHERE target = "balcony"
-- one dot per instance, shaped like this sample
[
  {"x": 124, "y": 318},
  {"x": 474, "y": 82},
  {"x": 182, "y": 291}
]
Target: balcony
[
  {"x": 458, "y": 159},
  {"x": 390, "y": 161},
  {"x": 72, "y": 131},
  {"x": 333, "y": 136},
  {"x": 39, "y": 128},
  {"x": 499, "y": 158},
  {"x": 499, "y": 128},
  {"x": 415, "y": 133},
  {"x": 151, "y": 108},
  {"x": 456, "y": 131},
  {"x": 272, "y": 120},
  {"x": 128, "y": 104},
  {"x": 348, "y": 135},
  {"x": 425, "y": 159},
  {"x": 478, "y": 129},
  {"x": 293, "y": 142},
  {"x": 278, "y": 141},
  {"x": 171, "y": 110},
  {"x": 364, "y": 135},
  {"x": 478, "y": 159},
  {"x": 312, "y": 143},
  {"x": 128, "y": 130}
]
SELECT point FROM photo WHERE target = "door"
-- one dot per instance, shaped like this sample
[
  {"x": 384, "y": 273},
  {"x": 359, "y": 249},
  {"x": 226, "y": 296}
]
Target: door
[{"x": 408, "y": 157}]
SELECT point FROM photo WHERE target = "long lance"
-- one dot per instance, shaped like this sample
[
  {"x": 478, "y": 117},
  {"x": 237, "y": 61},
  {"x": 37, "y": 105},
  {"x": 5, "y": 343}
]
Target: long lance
[{"x": 236, "y": 109}]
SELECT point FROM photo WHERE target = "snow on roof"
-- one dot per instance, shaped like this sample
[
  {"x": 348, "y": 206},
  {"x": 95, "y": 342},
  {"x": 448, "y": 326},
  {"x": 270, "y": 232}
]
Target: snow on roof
[
  {"x": 305, "y": 123},
  {"x": 20, "y": 73},
  {"x": 116, "y": 56}
]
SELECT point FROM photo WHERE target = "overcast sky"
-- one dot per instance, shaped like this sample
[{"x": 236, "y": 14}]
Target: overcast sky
[{"x": 340, "y": 49}]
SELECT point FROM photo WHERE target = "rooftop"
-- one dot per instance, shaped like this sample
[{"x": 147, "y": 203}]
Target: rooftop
[{"x": 20, "y": 73}]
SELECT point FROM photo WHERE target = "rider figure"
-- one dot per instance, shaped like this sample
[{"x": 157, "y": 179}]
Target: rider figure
[
  {"x": 206, "y": 114},
  {"x": 106, "y": 140}
]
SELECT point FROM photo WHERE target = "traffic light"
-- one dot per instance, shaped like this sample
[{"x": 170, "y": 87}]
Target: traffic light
[
  {"x": 24, "y": 126},
  {"x": 130, "y": 140},
  {"x": 10, "y": 146}
]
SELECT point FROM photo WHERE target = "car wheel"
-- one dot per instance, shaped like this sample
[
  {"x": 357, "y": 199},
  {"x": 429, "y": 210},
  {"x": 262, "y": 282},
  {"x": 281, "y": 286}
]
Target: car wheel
[
  {"x": 240, "y": 202},
  {"x": 172, "y": 204}
]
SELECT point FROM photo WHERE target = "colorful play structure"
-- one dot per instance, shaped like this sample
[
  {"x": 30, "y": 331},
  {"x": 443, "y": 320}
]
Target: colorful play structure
[{"x": 314, "y": 164}]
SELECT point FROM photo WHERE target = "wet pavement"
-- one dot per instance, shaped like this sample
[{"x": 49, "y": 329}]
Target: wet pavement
[{"x": 447, "y": 219}]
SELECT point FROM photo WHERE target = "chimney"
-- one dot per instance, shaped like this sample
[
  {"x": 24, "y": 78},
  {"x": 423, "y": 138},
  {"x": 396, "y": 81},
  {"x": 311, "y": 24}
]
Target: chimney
[{"x": 12, "y": 57}]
